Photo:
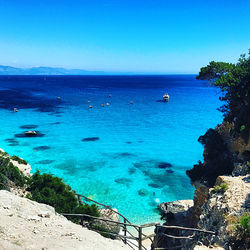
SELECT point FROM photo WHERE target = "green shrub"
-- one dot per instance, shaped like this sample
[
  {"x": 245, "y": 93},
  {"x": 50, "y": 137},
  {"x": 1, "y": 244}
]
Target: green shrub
[
  {"x": 3, "y": 153},
  {"x": 51, "y": 190},
  {"x": 248, "y": 167},
  {"x": 4, "y": 182},
  {"x": 245, "y": 224},
  {"x": 222, "y": 188},
  {"x": 19, "y": 160},
  {"x": 242, "y": 232},
  {"x": 11, "y": 172},
  {"x": 242, "y": 128}
]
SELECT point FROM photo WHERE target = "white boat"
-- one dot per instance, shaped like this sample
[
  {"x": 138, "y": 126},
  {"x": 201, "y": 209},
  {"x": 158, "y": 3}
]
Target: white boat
[{"x": 166, "y": 97}]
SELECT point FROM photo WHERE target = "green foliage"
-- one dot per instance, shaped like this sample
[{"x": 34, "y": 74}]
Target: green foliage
[
  {"x": 217, "y": 159},
  {"x": 51, "y": 190},
  {"x": 245, "y": 223},
  {"x": 222, "y": 188},
  {"x": 3, "y": 154},
  {"x": 4, "y": 182},
  {"x": 234, "y": 81},
  {"x": 215, "y": 70},
  {"x": 242, "y": 128},
  {"x": 248, "y": 167},
  {"x": 9, "y": 172},
  {"x": 242, "y": 232},
  {"x": 19, "y": 160}
]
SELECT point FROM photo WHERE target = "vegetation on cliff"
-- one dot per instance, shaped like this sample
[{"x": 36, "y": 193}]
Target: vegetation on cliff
[
  {"x": 51, "y": 190},
  {"x": 234, "y": 82},
  {"x": 10, "y": 173},
  {"x": 43, "y": 188}
]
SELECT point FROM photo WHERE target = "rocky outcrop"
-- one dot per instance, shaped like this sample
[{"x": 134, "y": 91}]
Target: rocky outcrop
[
  {"x": 200, "y": 197},
  {"x": 241, "y": 169},
  {"x": 236, "y": 145},
  {"x": 26, "y": 224},
  {"x": 215, "y": 210},
  {"x": 109, "y": 215},
  {"x": 221, "y": 208},
  {"x": 176, "y": 213}
]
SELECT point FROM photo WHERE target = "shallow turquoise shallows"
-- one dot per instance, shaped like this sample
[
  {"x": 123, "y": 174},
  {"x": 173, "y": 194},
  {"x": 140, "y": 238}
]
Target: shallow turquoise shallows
[{"x": 128, "y": 156}]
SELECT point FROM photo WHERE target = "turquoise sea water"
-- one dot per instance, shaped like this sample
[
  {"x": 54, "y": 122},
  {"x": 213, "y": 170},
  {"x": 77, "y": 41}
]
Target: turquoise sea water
[{"x": 143, "y": 148}]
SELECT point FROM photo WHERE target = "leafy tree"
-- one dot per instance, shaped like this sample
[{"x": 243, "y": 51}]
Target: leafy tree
[
  {"x": 234, "y": 81},
  {"x": 214, "y": 70}
]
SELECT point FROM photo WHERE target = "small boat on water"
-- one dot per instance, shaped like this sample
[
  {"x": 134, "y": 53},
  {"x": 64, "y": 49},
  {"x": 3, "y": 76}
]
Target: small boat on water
[
  {"x": 166, "y": 97},
  {"x": 31, "y": 133}
]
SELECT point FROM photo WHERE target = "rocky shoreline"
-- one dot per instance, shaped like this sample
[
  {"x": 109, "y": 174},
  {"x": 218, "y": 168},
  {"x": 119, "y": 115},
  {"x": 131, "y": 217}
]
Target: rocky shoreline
[{"x": 218, "y": 208}]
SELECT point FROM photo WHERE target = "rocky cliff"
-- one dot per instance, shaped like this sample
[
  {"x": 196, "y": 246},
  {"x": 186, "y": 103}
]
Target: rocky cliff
[
  {"x": 221, "y": 201},
  {"x": 26, "y": 224}
]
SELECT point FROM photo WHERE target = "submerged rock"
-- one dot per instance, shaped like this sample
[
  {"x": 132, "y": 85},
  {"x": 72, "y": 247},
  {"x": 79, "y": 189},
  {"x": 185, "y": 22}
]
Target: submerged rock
[
  {"x": 55, "y": 123},
  {"x": 124, "y": 181},
  {"x": 169, "y": 171},
  {"x": 40, "y": 148},
  {"x": 125, "y": 154},
  {"x": 131, "y": 170},
  {"x": 143, "y": 192},
  {"x": 12, "y": 142},
  {"x": 45, "y": 161},
  {"x": 164, "y": 165},
  {"x": 154, "y": 185},
  {"x": 28, "y": 126},
  {"x": 90, "y": 139}
]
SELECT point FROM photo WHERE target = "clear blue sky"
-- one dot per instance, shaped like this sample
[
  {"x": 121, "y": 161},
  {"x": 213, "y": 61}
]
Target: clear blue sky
[{"x": 162, "y": 36}]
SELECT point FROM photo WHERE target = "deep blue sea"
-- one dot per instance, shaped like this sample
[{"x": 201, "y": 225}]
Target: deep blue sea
[{"x": 128, "y": 156}]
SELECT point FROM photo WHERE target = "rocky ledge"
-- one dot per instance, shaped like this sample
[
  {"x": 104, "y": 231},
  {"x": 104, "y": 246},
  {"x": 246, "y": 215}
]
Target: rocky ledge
[
  {"x": 26, "y": 224},
  {"x": 221, "y": 210}
]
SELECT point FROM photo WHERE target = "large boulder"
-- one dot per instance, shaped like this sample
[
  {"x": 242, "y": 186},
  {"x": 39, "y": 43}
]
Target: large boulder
[
  {"x": 109, "y": 215},
  {"x": 176, "y": 210}
]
